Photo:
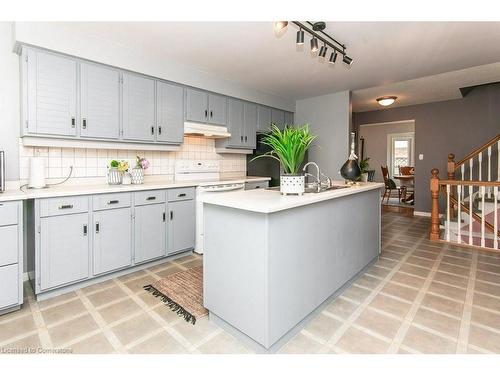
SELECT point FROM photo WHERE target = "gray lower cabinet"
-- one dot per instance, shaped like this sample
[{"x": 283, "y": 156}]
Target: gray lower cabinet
[
  {"x": 112, "y": 240},
  {"x": 150, "y": 232},
  {"x": 11, "y": 264},
  {"x": 181, "y": 226},
  {"x": 138, "y": 112},
  {"x": 64, "y": 250}
]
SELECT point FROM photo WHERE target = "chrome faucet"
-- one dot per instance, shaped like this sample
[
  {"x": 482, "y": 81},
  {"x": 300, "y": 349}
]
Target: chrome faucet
[{"x": 318, "y": 175}]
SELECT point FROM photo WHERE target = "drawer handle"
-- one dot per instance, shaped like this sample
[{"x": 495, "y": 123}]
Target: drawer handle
[
  {"x": 116, "y": 201},
  {"x": 84, "y": 229},
  {"x": 171, "y": 215},
  {"x": 206, "y": 113},
  {"x": 152, "y": 130},
  {"x": 159, "y": 130},
  {"x": 150, "y": 198},
  {"x": 181, "y": 195},
  {"x": 97, "y": 227},
  {"x": 66, "y": 206},
  {"x": 164, "y": 217},
  {"x": 73, "y": 121},
  {"x": 211, "y": 114},
  {"x": 84, "y": 123}
]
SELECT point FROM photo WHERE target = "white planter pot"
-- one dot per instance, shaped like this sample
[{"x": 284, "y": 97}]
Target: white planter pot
[
  {"x": 292, "y": 184},
  {"x": 364, "y": 177},
  {"x": 137, "y": 176}
]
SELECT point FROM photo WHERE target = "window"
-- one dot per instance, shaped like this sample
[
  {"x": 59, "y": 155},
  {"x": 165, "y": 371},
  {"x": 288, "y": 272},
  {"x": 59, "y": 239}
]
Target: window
[{"x": 400, "y": 151}]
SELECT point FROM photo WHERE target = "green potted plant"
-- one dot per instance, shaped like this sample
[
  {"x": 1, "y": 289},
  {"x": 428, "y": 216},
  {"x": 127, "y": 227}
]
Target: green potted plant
[
  {"x": 116, "y": 171},
  {"x": 289, "y": 146},
  {"x": 363, "y": 166}
]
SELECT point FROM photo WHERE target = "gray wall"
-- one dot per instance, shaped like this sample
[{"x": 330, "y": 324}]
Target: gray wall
[
  {"x": 456, "y": 126},
  {"x": 9, "y": 102},
  {"x": 329, "y": 117},
  {"x": 376, "y": 143}
]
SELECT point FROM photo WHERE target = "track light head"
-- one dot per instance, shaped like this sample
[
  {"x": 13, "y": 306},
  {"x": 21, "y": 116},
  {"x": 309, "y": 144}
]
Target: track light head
[
  {"x": 280, "y": 25},
  {"x": 322, "y": 51},
  {"x": 314, "y": 44},
  {"x": 300, "y": 37},
  {"x": 333, "y": 57},
  {"x": 347, "y": 60}
]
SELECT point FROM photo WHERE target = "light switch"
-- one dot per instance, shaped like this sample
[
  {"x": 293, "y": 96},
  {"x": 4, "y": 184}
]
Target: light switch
[{"x": 420, "y": 156}]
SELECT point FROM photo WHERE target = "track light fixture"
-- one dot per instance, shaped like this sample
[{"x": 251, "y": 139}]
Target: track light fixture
[
  {"x": 314, "y": 44},
  {"x": 322, "y": 51},
  {"x": 333, "y": 57},
  {"x": 316, "y": 30},
  {"x": 300, "y": 37}
]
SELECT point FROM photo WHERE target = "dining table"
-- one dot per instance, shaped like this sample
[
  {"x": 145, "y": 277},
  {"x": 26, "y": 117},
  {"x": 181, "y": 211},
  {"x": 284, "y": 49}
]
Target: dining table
[{"x": 408, "y": 181}]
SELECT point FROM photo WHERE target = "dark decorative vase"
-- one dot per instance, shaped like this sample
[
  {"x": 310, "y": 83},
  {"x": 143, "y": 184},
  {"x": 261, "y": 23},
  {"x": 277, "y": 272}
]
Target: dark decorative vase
[{"x": 350, "y": 170}]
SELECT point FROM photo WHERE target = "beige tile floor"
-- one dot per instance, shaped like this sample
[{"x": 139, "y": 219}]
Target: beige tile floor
[{"x": 420, "y": 297}]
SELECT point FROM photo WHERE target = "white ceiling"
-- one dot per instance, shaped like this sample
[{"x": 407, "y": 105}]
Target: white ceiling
[{"x": 384, "y": 53}]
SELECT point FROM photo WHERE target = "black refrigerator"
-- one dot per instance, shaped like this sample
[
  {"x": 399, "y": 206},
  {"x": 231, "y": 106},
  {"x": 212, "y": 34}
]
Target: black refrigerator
[{"x": 264, "y": 167}]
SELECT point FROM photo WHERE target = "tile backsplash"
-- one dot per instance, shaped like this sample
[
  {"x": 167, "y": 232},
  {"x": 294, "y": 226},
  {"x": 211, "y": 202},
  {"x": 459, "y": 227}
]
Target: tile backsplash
[{"x": 93, "y": 162}]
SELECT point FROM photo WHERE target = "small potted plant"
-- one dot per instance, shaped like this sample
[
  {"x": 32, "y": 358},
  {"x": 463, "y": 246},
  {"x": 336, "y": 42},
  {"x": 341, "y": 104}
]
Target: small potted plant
[
  {"x": 289, "y": 147},
  {"x": 116, "y": 171},
  {"x": 141, "y": 164},
  {"x": 363, "y": 166}
]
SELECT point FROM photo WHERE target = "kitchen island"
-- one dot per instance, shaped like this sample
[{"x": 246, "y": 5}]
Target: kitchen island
[{"x": 271, "y": 262}]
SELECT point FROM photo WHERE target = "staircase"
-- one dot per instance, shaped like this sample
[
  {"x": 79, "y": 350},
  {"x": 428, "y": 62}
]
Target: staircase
[{"x": 472, "y": 214}]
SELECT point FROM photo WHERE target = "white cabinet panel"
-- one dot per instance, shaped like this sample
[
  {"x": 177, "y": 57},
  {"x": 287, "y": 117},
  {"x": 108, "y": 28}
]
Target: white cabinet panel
[
  {"x": 196, "y": 105},
  {"x": 150, "y": 232},
  {"x": 169, "y": 113},
  {"x": 217, "y": 107},
  {"x": 51, "y": 86},
  {"x": 138, "y": 108},
  {"x": 9, "y": 279},
  {"x": 100, "y": 101}
]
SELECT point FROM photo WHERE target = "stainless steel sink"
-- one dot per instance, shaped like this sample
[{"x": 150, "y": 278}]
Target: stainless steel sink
[{"x": 322, "y": 189}]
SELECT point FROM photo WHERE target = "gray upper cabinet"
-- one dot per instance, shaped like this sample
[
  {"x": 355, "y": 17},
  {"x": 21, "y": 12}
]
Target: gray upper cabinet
[
  {"x": 235, "y": 123},
  {"x": 217, "y": 109},
  {"x": 250, "y": 120},
  {"x": 138, "y": 108},
  {"x": 196, "y": 105},
  {"x": 50, "y": 84},
  {"x": 64, "y": 250},
  {"x": 181, "y": 226},
  {"x": 263, "y": 118},
  {"x": 112, "y": 234},
  {"x": 150, "y": 232},
  {"x": 169, "y": 113},
  {"x": 100, "y": 101},
  {"x": 288, "y": 118},
  {"x": 278, "y": 117}
]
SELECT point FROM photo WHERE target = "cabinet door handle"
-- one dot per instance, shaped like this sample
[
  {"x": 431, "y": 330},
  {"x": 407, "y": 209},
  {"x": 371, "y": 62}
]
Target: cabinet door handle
[
  {"x": 164, "y": 217},
  {"x": 241, "y": 138},
  {"x": 114, "y": 201},
  {"x": 73, "y": 121},
  {"x": 152, "y": 198},
  {"x": 152, "y": 130},
  {"x": 159, "y": 130},
  {"x": 84, "y": 229},
  {"x": 66, "y": 207},
  {"x": 84, "y": 123},
  {"x": 211, "y": 114},
  {"x": 97, "y": 227},
  {"x": 246, "y": 138},
  {"x": 206, "y": 113},
  {"x": 181, "y": 195},
  {"x": 171, "y": 215}
]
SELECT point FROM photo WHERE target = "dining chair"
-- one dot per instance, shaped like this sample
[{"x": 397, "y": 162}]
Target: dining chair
[{"x": 390, "y": 185}]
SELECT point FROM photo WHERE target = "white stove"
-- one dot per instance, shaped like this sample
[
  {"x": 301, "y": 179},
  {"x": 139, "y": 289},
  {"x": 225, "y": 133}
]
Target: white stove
[{"x": 194, "y": 170}]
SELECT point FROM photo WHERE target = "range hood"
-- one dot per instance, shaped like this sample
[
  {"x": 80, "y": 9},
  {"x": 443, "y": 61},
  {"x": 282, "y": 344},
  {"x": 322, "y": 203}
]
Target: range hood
[{"x": 205, "y": 130}]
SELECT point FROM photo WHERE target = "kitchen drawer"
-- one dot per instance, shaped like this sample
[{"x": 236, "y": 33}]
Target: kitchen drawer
[
  {"x": 9, "y": 238},
  {"x": 63, "y": 206},
  {"x": 149, "y": 197},
  {"x": 180, "y": 194},
  {"x": 9, "y": 213},
  {"x": 256, "y": 185},
  {"x": 9, "y": 276},
  {"x": 107, "y": 201}
]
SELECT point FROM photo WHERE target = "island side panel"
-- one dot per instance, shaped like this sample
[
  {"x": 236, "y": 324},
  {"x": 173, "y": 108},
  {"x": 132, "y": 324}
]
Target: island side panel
[
  {"x": 235, "y": 269},
  {"x": 314, "y": 250}
]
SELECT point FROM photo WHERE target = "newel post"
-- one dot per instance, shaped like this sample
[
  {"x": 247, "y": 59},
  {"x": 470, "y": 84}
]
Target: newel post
[
  {"x": 434, "y": 185},
  {"x": 450, "y": 168}
]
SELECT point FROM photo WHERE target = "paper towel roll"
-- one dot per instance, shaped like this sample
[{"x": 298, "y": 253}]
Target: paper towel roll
[{"x": 37, "y": 173}]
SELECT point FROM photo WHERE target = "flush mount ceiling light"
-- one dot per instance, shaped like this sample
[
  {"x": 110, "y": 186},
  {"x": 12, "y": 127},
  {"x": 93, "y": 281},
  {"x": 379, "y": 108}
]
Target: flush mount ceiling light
[
  {"x": 316, "y": 30},
  {"x": 386, "y": 100}
]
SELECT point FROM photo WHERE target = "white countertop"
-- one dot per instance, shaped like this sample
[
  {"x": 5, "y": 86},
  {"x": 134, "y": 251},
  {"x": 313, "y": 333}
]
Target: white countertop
[
  {"x": 71, "y": 189},
  {"x": 268, "y": 201}
]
